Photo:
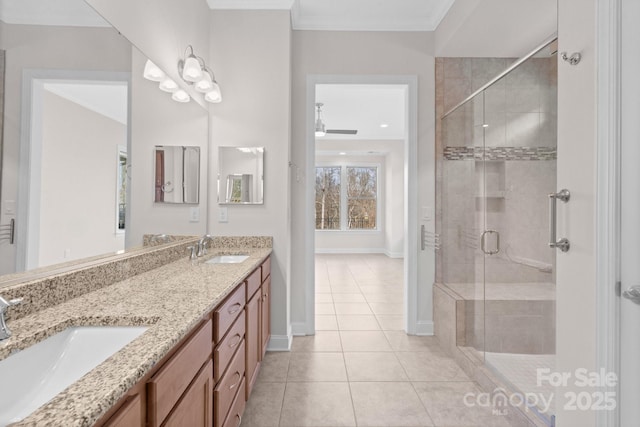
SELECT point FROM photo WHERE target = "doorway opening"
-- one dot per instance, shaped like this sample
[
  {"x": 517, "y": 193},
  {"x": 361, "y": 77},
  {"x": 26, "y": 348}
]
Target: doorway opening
[
  {"x": 75, "y": 139},
  {"x": 361, "y": 203}
]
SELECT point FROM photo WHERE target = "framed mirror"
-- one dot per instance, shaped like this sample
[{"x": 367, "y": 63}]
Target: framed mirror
[
  {"x": 240, "y": 176},
  {"x": 176, "y": 174}
]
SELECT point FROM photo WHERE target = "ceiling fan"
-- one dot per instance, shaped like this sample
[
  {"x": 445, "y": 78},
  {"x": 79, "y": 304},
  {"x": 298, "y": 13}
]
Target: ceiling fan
[{"x": 320, "y": 128}]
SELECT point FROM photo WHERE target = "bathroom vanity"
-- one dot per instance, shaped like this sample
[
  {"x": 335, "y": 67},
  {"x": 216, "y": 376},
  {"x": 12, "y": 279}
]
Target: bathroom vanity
[{"x": 208, "y": 327}]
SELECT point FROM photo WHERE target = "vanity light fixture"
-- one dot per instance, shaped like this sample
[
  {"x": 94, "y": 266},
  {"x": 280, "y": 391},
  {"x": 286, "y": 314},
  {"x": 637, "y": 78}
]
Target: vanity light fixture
[
  {"x": 180, "y": 96},
  {"x": 194, "y": 71},
  {"x": 153, "y": 72},
  {"x": 168, "y": 85}
]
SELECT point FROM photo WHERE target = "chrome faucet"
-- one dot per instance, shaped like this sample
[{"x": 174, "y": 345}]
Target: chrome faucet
[
  {"x": 4, "y": 304},
  {"x": 202, "y": 244}
]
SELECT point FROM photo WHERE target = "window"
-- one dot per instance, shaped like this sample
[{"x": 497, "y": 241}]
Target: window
[
  {"x": 328, "y": 198},
  {"x": 353, "y": 206},
  {"x": 362, "y": 198}
]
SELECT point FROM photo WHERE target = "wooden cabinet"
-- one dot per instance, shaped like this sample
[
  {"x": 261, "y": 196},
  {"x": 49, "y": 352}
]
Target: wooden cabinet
[
  {"x": 195, "y": 409},
  {"x": 167, "y": 385},
  {"x": 206, "y": 379},
  {"x": 228, "y": 312},
  {"x": 234, "y": 418},
  {"x": 253, "y": 339},
  {"x": 265, "y": 309},
  {"x": 128, "y": 415},
  {"x": 229, "y": 386}
]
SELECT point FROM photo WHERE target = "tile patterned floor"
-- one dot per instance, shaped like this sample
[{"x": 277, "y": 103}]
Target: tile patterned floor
[{"x": 361, "y": 369}]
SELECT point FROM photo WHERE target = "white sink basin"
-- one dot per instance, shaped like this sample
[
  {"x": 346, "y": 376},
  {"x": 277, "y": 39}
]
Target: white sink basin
[
  {"x": 227, "y": 259},
  {"x": 33, "y": 376}
]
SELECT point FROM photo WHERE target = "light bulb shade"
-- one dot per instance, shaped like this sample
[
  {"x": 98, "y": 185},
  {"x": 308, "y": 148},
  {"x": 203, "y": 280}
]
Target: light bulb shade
[
  {"x": 214, "y": 95},
  {"x": 180, "y": 96},
  {"x": 168, "y": 85},
  {"x": 192, "y": 71},
  {"x": 152, "y": 72},
  {"x": 205, "y": 84}
]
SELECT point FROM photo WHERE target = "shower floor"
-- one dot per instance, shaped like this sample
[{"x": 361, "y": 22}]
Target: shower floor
[{"x": 520, "y": 371}]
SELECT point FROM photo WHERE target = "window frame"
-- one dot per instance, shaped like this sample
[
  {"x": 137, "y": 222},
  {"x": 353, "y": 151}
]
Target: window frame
[{"x": 344, "y": 199}]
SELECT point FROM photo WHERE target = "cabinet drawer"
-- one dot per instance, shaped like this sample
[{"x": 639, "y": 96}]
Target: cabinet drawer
[
  {"x": 228, "y": 386},
  {"x": 169, "y": 383},
  {"x": 196, "y": 408},
  {"x": 234, "y": 418},
  {"x": 266, "y": 269},
  {"x": 128, "y": 415},
  {"x": 253, "y": 283},
  {"x": 225, "y": 350},
  {"x": 228, "y": 312}
]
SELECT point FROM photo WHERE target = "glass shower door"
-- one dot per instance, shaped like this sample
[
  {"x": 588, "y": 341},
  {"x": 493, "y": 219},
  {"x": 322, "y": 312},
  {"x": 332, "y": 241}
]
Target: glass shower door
[
  {"x": 463, "y": 202},
  {"x": 519, "y": 172}
]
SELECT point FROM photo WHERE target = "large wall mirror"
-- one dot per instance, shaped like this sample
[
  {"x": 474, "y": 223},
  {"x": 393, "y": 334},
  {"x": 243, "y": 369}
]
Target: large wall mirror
[
  {"x": 72, "y": 167},
  {"x": 177, "y": 174},
  {"x": 240, "y": 178}
]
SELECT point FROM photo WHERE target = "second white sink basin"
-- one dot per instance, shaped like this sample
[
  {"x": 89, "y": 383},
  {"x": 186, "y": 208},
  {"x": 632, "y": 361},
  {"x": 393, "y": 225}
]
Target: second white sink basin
[
  {"x": 227, "y": 259},
  {"x": 33, "y": 376}
]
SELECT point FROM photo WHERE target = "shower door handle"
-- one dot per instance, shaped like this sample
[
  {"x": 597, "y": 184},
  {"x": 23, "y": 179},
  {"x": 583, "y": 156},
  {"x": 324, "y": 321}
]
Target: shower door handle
[
  {"x": 483, "y": 241},
  {"x": 563, "y": 243}
]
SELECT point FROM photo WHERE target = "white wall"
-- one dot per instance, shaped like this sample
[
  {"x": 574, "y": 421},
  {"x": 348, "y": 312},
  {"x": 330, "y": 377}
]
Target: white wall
[
  {"x": 370, "y": 54},
  {"x": 158, "y": 120},
  {"x": 252, "y": 53},
  {"x": 78, "y": 189},
  {"x": 45, "y": 47},
  {"x": 477, "y": 28},
  {"x": 576, "y": 269},
  {"x": 392, "y": 180}
]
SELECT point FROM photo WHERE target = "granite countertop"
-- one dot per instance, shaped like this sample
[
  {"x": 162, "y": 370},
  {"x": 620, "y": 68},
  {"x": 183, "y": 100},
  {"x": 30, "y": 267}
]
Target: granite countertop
[{"x": 171, "y": 299}]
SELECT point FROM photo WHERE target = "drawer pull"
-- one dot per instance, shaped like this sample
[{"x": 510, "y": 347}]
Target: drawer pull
[
  {"x": 237, "y": 342},
  {"x": 239, "y": 417},
  {"x": 231, "y": 311},
  {"x": 232, "y": 386}
]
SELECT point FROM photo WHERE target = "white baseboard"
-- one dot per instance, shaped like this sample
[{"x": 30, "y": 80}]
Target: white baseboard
[
  {"x": 350, "y": 251},
  {"x": 298, "y": 329},
  {"x": 280, "y": 343},
  {"x": 394, "y": 254},
  {"x": 338, "y": 251},
  {"x": 424, "y": 328}
]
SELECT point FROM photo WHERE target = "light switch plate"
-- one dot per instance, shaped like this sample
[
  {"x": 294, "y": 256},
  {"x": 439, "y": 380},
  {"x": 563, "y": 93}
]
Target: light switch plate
[
  {"x": 223, "y": 214},
  {"x": 194, "y": 214}
]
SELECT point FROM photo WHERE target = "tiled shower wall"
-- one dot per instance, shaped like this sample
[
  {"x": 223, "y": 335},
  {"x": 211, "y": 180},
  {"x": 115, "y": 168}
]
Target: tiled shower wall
[{"x": 520, "y": 141}]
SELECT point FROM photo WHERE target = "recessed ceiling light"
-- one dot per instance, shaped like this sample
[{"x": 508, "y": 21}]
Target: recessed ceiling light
[
  {"x": 485, "y": 125},
  {"x": 384, "y": 125},
  {"x": 342, "y": 153}
]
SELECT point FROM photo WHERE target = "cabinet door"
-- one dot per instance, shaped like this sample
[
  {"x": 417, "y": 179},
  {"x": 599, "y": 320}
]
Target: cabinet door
[
  {"x": 253, "y": 342},
  {"x": 266, "y": 315},
  {"x": 129, "y": 415},
  {"x": 195, "y": 409},
  {"x": 170, "y": 382}
]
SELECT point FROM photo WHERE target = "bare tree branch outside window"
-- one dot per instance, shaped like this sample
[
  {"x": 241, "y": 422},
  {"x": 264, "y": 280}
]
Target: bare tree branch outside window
[
  {"x": 362, "y": 193},
  {"x": 328, "y": 181}
]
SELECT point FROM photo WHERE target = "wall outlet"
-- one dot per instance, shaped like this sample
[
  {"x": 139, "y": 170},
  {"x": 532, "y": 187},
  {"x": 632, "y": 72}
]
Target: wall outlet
[
  {"x": 194, "y": 214},
  {"x": 223, "y": 214},
  {"x": 10, "y": 207}
]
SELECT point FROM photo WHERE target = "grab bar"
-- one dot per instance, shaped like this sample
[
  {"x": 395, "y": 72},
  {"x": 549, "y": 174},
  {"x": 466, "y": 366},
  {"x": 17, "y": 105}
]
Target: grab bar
[{"x": 562, "y": 244}]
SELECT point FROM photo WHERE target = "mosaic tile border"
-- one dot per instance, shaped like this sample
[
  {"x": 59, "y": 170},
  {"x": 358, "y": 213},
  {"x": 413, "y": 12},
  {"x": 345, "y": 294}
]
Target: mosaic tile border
[{"x": 500, "y": 153}]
